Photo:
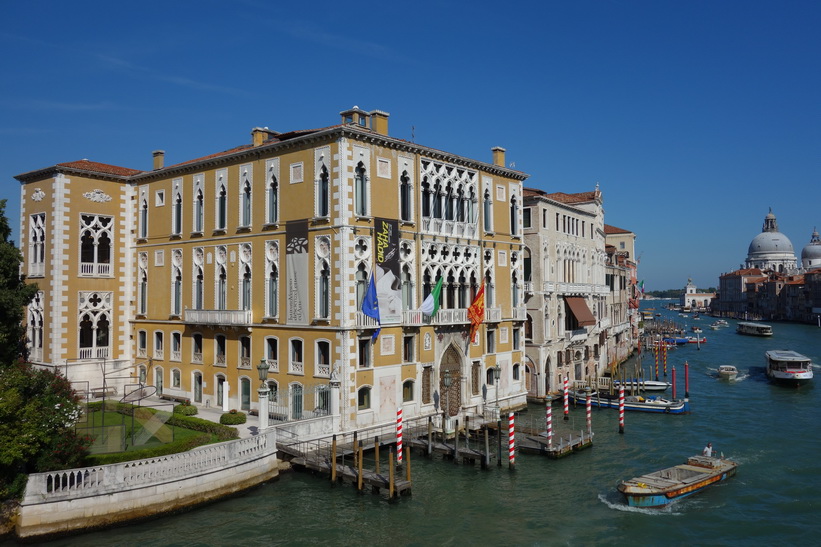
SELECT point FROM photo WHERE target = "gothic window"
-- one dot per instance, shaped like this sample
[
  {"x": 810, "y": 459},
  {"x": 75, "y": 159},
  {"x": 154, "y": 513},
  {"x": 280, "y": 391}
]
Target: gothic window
[
  {"x": 37, "y": 245},
  {"x": 95, "y": 245},
  {"x": 199, "y": 211},
  {"x": 272, "y": 291},
  {"x": 222, "y": 208},
  {"x": 361, "y": 277},
  {"x": 437, "y": 200},
  {"x": 426, "y": 198},
  {"x": 142, "y": 304},
  {"x": 272, "y": 197},
  {"x": 245, "y": 294},
  {"x": 450, "y": 202},
  {"x": 222, "y": 288},
  {"x": 245, "y": 204},
  {"x": 514, "y": 216},
  {"x": 144, "y": 218},
  {"x": 490, "y": 299},
  {"x": 360, "y": 190},
  {"x": 407, "y": 287},
  {"x": 35, "y": 327},
  {"x": 198, "y": 288},
  {"x": 405, "y": 193},
  {"x": 323, "y": 194},
  {"x": 94, "y": 323},
  {"x": 324, "y": 290},
  {"x": 177, "y": 214},
  {"x": 176, "y": 291},
  {"x": 488, "y": 210}
]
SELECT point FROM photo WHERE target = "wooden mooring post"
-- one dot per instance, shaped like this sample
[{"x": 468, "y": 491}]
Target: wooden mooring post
[{"x": 333, "y": 459}]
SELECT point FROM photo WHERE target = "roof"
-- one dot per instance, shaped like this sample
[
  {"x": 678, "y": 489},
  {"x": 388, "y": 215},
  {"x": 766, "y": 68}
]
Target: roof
[
  {"x": 563, "y": 197},
  {"x": 80, "y": 167},
  {"x": 743, "y": 272},
  {"x": 608, "y": 229}
]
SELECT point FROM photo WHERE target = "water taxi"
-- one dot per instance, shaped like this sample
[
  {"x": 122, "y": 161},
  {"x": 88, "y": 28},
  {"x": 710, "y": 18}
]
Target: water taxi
[
  {"x": 727, "y": 372},
  {"x": 637, "y": 403},
  {"x": 754, "y": 329},
  {"x": 788, "y": 367},
  {"x": 643, "y": 385},
  {"x": 661, "y": 488}
]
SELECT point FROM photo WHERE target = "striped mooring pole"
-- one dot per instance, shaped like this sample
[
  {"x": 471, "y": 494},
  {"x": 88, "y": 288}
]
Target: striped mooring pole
[
  {"x": 399, "y": 436},
  {"x": 665, "y": 360},
  {"x": 511, "y": 441},
  {"x": 674, "y": 383},
  {"x": 589, "y": 404},
  {"x": 549, "y": 417},
  {"x": 566, "y": 403},
  {"x": 621, "y": 409}
]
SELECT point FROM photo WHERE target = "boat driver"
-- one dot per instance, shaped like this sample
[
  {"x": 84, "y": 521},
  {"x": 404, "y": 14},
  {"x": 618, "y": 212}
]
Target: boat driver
[{"x": 708, "y": 450}]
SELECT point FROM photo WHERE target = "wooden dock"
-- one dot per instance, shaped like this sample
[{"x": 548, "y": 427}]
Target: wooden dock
[{"x": 561, "y": 446}]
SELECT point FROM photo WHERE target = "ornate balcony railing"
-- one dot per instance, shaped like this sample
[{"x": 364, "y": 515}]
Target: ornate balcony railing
[
  {"x": 93, "y": 353},
  {"x": 95, "y": 269},
  {"x": 273, "y": 365},
  {"x": 37, "y": 269},
  {"x": 493, "y": 315},
  {"x": 218, "y": 317},
  {"x": 520, "y": 313}
]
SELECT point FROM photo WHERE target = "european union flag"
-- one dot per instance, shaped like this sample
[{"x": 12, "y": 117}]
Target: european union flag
[{"x": 370, "y": 306}]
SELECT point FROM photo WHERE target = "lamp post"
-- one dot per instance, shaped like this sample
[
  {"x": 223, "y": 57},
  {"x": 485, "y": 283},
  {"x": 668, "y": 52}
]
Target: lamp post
[
  {"x": 497, "y": 373},
  {"x": 262, "y": 369}
]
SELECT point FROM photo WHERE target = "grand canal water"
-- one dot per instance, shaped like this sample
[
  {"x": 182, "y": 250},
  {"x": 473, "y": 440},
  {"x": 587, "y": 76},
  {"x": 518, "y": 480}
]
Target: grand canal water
[{"x": 772, "y": 431}]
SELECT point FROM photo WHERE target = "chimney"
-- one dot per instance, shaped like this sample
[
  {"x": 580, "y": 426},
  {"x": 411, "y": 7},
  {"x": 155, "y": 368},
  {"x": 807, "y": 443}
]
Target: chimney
[
  {"x": 379, "y": 121},
  {"x": 261, "y": 134},
  {"x": 159, "y": 159},
  {"x": 498, "y": 156}
]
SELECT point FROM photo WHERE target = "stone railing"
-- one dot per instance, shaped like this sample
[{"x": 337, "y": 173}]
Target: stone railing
[
  {"x": 117, "y": 477},
  {"x": 493, "y": 315},
  {"x": 218, "y": 317}
]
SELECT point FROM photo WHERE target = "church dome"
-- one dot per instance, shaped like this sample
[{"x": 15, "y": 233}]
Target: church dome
[
  {"x": 771, "y": 249},
  {"x": 811, "y": 254}
]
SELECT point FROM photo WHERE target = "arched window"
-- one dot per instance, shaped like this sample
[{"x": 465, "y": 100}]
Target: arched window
[
  {"x": 360, "y": 191},
  {"x": 273, "y": 200},
  {"x": 408, "y": 391},
  {"x": 450, "y": 202},
  {"x": 222, "y": 208},
  {"x": 198, "y": 289},
  {"x": 222, "y": 288},
  {"x": 142, "y": 307},
  {"x": 361, "y": 284},
  {"x": 323, "y": 194},
  {"x": 488, "y": 211},
  {"x": 246, "y": 289},
  {"x": 407, "y": 288},
  {"x": 245, "y": 205},
  {"x": 426, "y": 198},
  {"x": 199, "y": 211},
  {"x": 514, "y": 216},
  {"x": 272, "y": 291},
  {"x": 437, "y": 200},
  {"x": 405, "y": 197},
  {"x": 219, "y": 340},
  {"x": 176, "y": 292},
  {"x": 177, "y": 214},
  {"x": 324, "y": 291},
  {"x": 144, "y": 219},
  {"x": 245, "y": 394}
]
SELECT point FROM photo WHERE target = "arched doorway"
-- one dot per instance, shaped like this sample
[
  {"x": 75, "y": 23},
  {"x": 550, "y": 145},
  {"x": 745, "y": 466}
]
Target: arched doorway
[
  {"x": 451, "y": 399},
  {"x": 531, "y": 378}
]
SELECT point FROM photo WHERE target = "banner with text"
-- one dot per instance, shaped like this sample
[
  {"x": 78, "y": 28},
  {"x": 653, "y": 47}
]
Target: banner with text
[
  {"x": 296, "y": 255},
  {"x": 388, "y": 284}
]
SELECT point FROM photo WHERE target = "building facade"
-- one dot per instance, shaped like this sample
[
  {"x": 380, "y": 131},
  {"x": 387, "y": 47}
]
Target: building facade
[{"x": 185, "y": 277}]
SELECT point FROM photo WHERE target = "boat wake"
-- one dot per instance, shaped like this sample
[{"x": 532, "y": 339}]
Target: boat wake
[{"x": 619, "y": 505}]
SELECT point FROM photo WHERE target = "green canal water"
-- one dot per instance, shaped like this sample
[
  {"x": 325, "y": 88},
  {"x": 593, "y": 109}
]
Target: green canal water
[{"x": 772, "y": 431}]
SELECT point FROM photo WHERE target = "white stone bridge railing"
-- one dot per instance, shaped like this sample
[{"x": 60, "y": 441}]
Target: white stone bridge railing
[{"x": 114, "y": 478}]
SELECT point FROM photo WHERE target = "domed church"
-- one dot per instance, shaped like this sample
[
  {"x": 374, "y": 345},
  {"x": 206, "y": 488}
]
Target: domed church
[
  {"x": 811, "y": 254},
  {"x": 771, "y": 250}
]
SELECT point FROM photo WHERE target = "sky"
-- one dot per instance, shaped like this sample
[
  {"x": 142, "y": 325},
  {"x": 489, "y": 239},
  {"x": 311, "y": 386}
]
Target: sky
[{"x": 693, "y": 117}]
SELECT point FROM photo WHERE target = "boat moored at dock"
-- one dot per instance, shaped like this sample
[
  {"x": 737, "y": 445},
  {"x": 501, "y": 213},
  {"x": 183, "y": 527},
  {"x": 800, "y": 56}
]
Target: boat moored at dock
[
  {"x": 754, "y": 329},
  {"x": 637, "y": 403},
  {"x": 660, "y": 488},
  {"x": 788, "y": 367}
]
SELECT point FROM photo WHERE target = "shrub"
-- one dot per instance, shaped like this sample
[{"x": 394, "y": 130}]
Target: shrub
[
  {"x": 185, "y": 409},
  {"x": 233, "y": 418},
  {"x": 152, "y": 452}
]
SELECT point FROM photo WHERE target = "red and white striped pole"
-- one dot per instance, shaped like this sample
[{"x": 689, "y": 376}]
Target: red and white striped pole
[
  {"x": 399, "y": 436},
  {"x": 686, "y": 380},
  {"x": 674, "y": 383},
  {"x": 566, "y": 403},
  {"x": 665, "y": 360},
  {"x": 549, "y": 413},
  {"x": 621, "y": 409},
  {"x": 589, "y": 412},
  {"x": 511, "y": 441}
]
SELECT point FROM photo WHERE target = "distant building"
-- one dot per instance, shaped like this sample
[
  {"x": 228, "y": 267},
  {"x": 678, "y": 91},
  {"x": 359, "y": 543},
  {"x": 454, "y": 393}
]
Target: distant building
[
  {"x": 692, "y": 299},
  {"x": 771, "y": 250},
  {"x": 811, "y": 253}
]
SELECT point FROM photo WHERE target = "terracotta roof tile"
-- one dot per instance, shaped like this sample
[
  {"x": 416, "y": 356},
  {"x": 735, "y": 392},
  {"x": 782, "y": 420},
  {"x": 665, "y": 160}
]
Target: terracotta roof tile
[
  {"x": 96, "y": 167},
  {"x": 608, "y": 229}
]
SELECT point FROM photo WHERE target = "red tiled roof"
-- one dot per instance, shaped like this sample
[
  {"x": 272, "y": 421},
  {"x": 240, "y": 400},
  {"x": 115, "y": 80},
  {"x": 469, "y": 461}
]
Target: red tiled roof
[
  {"x": 215, "y": 155},
  {"x": 96, "y": 167},
  {"x": 746, "y": 271},
  {"x": 608, "y": 229},
  {"x": 562, "y": 197}
]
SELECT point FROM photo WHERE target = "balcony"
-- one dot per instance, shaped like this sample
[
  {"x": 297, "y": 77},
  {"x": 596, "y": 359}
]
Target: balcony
[
  {"x": 578, "y": 335},
  {"x": 493, "y": 315},
  {"x": 37, "y": 269},
  {"x": 95, "y": 269},
  {"x": 604, "y": 323},
  {"x": 528, "y": 287},
  {"x": 451, "y": 228},
  {"x": 93, "y": 353},
  {"x": 520, "y": 313},
  {"x": 323, "y": 370},
  {"x": 451, "y": 317},
  {"x": 244, "y": 363},
  {"x": 273, "y": 365},
  {"x": 218, "y": 317}
]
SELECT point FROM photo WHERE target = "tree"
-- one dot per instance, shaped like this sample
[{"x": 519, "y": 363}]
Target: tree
[
  {"x": 15, "y": 295},
  {"x": 38, "y": 411}
]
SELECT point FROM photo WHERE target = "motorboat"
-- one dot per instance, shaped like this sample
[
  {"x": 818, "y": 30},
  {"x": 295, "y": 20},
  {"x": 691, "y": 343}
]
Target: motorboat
[
  {"x": 788, "y": 367},
  {"x": 637, "y": 403},
  {"x": 696, "y": 339},
  {"x": 727, "y": 372},
  {"x": 754, "y": 329},
  {"x": 660, "y": 488},
  {"x": 696, "y": 330},
  {"x": 642, "y": 385}
]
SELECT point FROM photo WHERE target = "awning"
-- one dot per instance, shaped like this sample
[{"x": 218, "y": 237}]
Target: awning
[{"x": 579, "y": 308}]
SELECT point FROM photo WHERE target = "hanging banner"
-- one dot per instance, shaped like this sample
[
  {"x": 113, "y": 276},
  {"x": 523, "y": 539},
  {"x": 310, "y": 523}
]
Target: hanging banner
[
  {"x": 388, "y": 284},
  {"x": 296, "y": 257}
]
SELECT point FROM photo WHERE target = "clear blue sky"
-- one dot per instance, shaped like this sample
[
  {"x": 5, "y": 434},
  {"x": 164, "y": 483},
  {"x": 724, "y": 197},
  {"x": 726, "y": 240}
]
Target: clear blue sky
[{"x": 694, "y": 117}]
